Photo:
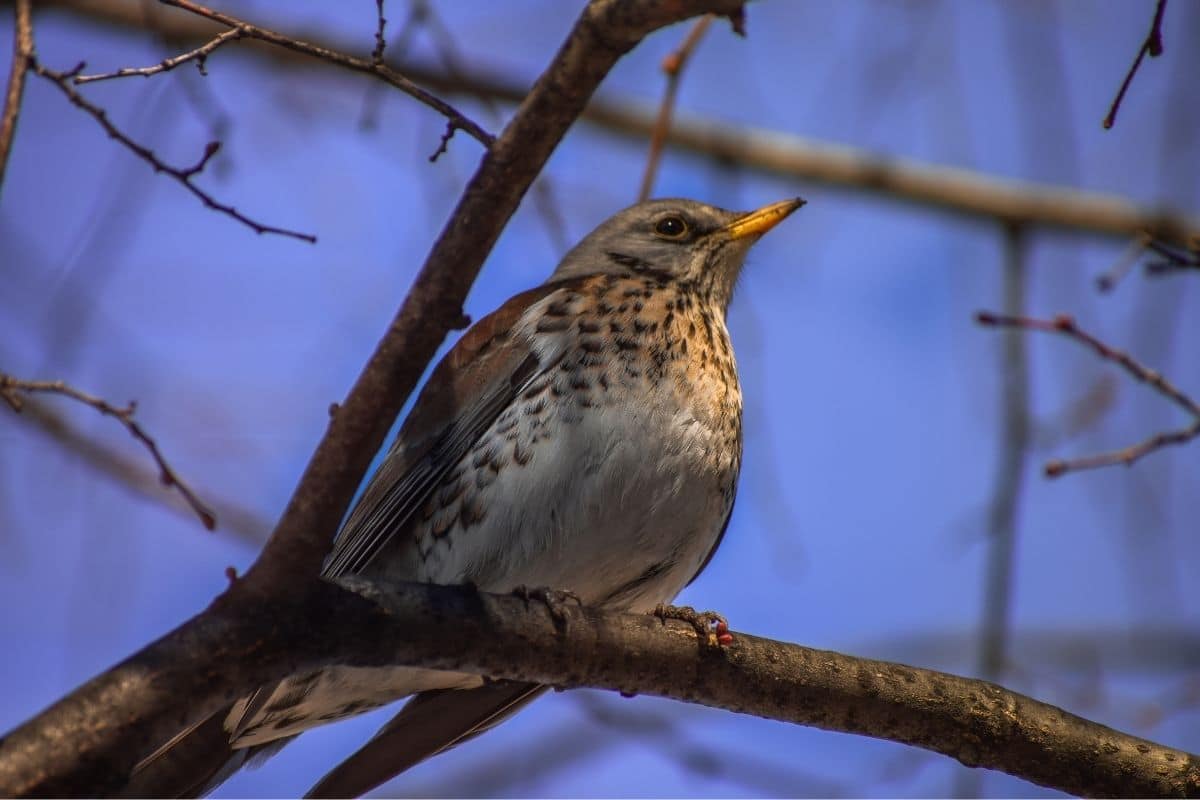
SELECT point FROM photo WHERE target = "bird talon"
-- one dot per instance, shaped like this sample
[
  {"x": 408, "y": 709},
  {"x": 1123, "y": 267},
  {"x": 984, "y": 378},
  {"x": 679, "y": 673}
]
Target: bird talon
[
  {"x": 554, "y": 599},
  {"x": 711, "y": 627}
]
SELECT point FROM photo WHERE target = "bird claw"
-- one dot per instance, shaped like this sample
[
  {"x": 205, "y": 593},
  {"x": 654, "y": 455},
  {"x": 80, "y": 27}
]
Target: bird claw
[
  {"x": 711, "y": 627},
  {"x": 555, "y": 600}
]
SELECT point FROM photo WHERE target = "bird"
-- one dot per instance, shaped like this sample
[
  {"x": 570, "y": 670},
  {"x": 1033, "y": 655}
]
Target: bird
[{"x": 584, "y": 437}]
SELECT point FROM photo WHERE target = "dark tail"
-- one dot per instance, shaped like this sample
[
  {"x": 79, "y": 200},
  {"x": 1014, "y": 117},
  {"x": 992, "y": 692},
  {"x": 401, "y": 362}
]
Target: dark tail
[
  {"x": 195, "y": 762},
  {"x": 430, "y": 723}
]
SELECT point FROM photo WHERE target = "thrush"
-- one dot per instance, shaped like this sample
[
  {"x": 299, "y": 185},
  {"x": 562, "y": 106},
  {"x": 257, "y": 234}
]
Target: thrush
[{"x": 585, "y": 436}]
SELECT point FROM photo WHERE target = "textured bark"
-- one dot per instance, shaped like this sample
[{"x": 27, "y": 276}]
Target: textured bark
[{"x": 978, "y": 723}]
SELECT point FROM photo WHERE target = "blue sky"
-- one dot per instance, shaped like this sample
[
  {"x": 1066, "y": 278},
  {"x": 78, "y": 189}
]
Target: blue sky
[{"x": 872, "y": 398}]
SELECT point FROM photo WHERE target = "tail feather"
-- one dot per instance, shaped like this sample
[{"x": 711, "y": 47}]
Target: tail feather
[
  {"x": 430, "y": 723},
  {"x": 194, "y": 762}
]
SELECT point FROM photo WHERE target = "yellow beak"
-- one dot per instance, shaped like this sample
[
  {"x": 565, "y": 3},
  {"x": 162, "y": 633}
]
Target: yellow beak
[{"x": 756, "y": 223}]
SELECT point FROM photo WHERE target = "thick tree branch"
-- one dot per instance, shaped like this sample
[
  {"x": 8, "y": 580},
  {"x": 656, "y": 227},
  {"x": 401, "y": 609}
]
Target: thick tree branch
[
  {"x": 948, "y": 190},
  {"x": 975, "y": 722}
]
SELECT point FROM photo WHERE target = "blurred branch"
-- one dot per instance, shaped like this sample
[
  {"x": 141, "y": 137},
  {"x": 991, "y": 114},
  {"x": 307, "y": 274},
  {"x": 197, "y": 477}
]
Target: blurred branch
[
  {"x": 1152, "y": 46},
  {"x": 145, "y": 483},
  {"x": 1108, "y": 279},
  {"x": 14, "y": 392},
  {"x": 22, "y": 55},
  {"x": 672, "y": 66},
  {"x": 1171, "y": 648},
  {"x": 1173, "y": 260},
  {"x": 1065, "y": 325},
  {"x": 992, "y": 649},
  {"x": 456, "y": 120},
  {"x": 1013, "y": 446},
  {"x": 458, "y": 628},
  {"x": 183, "y": 175},
  {"x": 950, "y": 190}
]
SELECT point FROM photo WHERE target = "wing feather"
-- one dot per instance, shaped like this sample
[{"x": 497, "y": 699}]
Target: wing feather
[{"x": 470, "y": 388}]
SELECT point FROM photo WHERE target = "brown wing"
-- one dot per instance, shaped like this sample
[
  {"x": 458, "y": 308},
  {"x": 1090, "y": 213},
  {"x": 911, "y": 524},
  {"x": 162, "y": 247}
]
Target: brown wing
[{"x": 472, "y": 385}]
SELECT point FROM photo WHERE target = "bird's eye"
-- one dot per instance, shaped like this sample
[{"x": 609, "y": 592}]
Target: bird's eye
[{"x": 671, "y": 228}]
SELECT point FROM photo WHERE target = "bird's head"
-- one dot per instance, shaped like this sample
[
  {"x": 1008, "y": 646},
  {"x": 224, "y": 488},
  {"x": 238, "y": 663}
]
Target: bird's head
[{"x": 676, "y": 240}]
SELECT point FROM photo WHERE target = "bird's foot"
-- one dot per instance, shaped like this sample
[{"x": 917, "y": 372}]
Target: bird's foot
[
  {"x": 555, "y": 600},
  {"x": 711, "y": 627}
]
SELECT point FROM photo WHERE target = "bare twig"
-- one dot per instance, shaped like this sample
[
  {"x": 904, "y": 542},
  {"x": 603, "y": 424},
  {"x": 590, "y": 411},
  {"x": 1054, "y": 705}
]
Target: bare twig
[
  {"x": 370, "y": 67},
  {"x": 199, "y": 55},
  {"x": 1152, "y": 46},
  {"x": 22, "y": 56},
  {"x": 141, "y": 480},
  {"x": 1065, "y": 325},
  {"x": 672, "y": 66},
  {"x": 380, "y": 42},
  {"x": 183, "y": 175},
  {"x": 953, "y": 191},
  {"x": 13, "y": 391}
]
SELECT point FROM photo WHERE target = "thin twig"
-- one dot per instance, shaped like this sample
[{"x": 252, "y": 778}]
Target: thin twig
[
  {"x": 182, "y": 174},
  {"x": 956, "y": 192},
  {"x": 1174, "y": 260},
  {"x": 369, "y": 67},
  {"x": 1152, "y": 46},
  {"x": 13, "y": 391},
  {"x": 22, "y": 55},
  {"x": 199, "y": 55},
  {"x": 380, "y": 42},
  {"x": 135, "y": 477},
  {"x": 673, "y": 66},
  {"x": 1065, "y": 325}
]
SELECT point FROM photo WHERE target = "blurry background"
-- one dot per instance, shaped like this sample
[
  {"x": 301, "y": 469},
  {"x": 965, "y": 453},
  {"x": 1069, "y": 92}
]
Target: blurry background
[{"x": 875, "y": 478}]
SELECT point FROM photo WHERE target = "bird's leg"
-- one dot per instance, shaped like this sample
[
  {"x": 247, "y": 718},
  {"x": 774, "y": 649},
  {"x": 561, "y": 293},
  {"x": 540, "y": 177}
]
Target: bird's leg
[
  {"x": 711, "y": 627},
  {"x": 555, "y": 600}
]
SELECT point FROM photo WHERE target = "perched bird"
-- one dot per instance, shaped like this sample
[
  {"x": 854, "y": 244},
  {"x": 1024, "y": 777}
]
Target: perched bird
[{"x": 585, "y": 436}]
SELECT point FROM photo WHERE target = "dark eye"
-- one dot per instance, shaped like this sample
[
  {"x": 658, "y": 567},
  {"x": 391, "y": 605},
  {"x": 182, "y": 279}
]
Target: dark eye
[{"x": 671, "y": 228}]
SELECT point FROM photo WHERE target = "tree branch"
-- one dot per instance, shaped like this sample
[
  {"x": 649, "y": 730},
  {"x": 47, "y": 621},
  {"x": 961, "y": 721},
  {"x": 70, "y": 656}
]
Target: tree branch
[
  {"x": 672, "y": 67},
  {"x": 1065, "y": 325},
  {"x": 199, "y": 55},
  {"x": 13, "y": 391},
  {"x": 1153, "y": 47},
  {"x": 184, "y": 175},
  {"x": 978, "y": 723},
  {"x": 373, "y": 66},
  {"x": 958, "y": 192},
  {"x": 22, "y": 55}
]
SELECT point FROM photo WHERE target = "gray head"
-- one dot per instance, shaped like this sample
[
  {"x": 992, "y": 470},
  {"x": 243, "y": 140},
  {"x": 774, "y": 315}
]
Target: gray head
[{"x": 675, "y": 240}]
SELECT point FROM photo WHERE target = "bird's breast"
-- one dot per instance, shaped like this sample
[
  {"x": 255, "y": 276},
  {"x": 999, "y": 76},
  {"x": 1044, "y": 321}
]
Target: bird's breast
[{"x": 614, "y": 470}]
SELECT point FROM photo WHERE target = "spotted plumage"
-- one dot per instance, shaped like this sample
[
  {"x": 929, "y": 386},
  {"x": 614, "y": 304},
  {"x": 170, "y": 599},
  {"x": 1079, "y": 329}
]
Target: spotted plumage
[{"x": 584, "y": 436}]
